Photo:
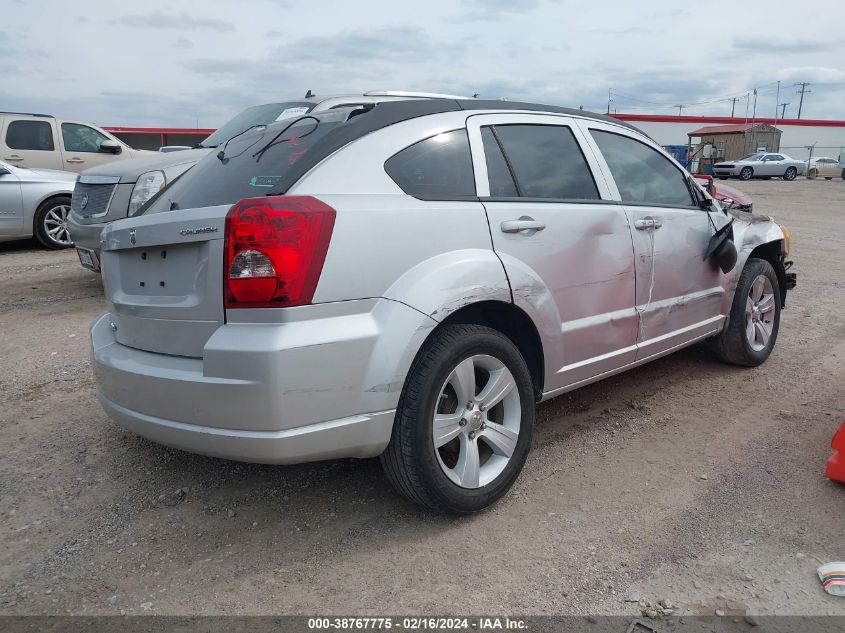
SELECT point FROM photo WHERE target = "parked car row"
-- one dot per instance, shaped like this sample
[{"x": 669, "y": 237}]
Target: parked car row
[{"x": 407, "y": 279}]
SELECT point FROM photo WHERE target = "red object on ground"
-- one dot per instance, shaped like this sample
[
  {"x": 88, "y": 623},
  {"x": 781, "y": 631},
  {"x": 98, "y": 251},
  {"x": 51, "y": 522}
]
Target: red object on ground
[{"x": 836, "y": 464}]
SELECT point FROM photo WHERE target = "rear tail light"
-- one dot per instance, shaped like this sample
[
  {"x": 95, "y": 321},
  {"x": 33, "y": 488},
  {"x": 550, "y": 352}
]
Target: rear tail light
[{"x": 275, "y": 248}]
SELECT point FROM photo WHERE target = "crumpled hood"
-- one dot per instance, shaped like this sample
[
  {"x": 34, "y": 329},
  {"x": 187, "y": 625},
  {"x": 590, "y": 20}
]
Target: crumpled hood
[{"x": 129, "y": 170}]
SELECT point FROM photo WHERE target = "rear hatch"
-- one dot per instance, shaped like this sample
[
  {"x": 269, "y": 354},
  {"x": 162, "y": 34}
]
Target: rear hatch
[
  {"x": 163, "y": 269},
  {"x": 163, "y": 276}
]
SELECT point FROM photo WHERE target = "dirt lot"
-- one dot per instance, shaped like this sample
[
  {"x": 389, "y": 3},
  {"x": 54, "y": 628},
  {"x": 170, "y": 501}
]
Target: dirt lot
[{"x": 684, "y": 480}]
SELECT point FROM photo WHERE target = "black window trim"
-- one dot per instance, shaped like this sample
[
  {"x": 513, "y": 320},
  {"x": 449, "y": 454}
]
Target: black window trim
[
  {"x": 433, "y": 198},
  {"x": 522, "y": 198},
  {"x": 683, "y": 174},
  {"x": 511, "y": 199},
  {"x": 504, "y": 156}
]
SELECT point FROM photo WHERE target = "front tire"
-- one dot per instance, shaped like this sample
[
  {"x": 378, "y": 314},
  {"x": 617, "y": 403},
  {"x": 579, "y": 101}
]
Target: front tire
[
  {"x": 51, "y": 223},
  {"x": 464, "y": 421},
  {"x": 746, "y": 173},
  {"x": 754, "y": 320},
  {"x": 790, "y": 173}
]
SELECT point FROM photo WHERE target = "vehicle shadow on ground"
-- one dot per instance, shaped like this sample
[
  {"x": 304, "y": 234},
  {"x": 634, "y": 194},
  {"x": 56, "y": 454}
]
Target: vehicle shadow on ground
[
  {"x": 21, "y": 246},
  {"x": 355, "y": 492}
]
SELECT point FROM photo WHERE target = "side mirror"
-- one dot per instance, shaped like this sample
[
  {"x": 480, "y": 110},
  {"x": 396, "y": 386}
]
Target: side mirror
[{"x": 111, "y": 147}]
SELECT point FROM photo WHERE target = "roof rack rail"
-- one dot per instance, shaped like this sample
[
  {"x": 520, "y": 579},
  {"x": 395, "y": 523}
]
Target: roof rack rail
[
  {"x": 406, "y": 93},
  {"x": 48, "y": 116}
]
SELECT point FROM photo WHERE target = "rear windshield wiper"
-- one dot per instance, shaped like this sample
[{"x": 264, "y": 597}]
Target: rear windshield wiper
[
  {"x": 273, "y": 141},
  {"x": 222, "y": 153}
]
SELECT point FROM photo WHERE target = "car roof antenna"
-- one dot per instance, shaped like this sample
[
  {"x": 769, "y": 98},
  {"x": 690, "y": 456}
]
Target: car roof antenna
[{"x": 309, "y": 94}]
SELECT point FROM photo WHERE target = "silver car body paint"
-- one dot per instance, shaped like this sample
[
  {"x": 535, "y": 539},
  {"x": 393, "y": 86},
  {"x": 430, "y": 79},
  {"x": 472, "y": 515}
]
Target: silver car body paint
[
  {"x": 323, "y": 380},
  {"x": 764, "y": 167},
  {"x": 22, "y": 191}
]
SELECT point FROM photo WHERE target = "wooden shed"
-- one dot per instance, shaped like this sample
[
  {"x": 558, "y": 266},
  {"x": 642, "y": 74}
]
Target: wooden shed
[{"x": 731, "y": 142}]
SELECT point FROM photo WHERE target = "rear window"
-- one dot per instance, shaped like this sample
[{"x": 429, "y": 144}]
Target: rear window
[
  {"x": 257, "y": 115},
  {"x": 31, "y": 135},
  {"x": 249, "y": 165},
  {"x": 439, "y": 167}
]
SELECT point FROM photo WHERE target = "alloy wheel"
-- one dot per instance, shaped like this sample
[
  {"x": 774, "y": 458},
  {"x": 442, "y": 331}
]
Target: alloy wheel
[
  {"x": 56, "y": 225},
  {"x": 760, "y": 313},
  {"x": 476, "y": 421}
]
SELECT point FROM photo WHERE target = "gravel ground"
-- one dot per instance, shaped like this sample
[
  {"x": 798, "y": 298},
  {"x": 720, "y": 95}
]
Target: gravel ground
[{"x": 684, "y": 481}]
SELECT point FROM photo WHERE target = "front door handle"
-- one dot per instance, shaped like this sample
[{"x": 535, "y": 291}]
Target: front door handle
[
  {"x": 525, "y": 225},
  {"x": 647, "y": 223},
  {"x": 75, "y": 160},
  {"x": 14, "y": 158}
]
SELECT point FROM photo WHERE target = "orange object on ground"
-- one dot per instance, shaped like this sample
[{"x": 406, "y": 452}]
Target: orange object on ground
[{"x": 836, "y": 463}]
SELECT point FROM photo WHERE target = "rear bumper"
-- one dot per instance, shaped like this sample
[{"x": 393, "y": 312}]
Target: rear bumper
[
  {"x": 314, "y": 387},
  {"x": 355, "y": 436}
]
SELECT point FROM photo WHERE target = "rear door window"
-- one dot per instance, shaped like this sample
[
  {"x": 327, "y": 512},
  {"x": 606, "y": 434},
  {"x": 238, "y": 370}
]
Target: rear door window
[
  {"x": 642, "y": 174},
  {"x": 546, "y": 162},
  {"x": 439, "y": 167},
  {"x": 30, "y": 135}
]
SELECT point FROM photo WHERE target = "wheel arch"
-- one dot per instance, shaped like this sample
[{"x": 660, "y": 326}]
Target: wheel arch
[
  {"x": 772, "y": 252},
  {"x": 40, "y": 203},
  {"x": 515, "y": 324}
]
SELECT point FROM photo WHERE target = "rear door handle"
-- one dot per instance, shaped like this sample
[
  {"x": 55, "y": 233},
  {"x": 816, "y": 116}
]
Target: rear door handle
[
  {"x": 647, "y": 223},
  {"x": 15, "y": 158},
  {"x": 75, "y": 160},
  {"x": 525, "y": 225}
]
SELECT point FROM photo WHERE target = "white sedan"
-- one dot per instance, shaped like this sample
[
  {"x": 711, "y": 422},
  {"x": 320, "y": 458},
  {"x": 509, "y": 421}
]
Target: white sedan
[
  {"x": 761, "y": 165},
  {"x": 35, "y": 202},
  {"x": 824, "y": 167}
]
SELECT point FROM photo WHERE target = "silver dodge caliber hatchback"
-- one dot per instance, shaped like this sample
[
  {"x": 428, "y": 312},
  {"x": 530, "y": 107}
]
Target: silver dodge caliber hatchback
[{"x": 411, "y": 280}]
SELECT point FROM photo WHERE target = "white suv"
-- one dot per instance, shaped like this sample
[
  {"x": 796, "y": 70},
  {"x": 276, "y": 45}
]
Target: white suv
[
  {"x": 408, "y": 282},
  {"x": 45, "y": 142}
]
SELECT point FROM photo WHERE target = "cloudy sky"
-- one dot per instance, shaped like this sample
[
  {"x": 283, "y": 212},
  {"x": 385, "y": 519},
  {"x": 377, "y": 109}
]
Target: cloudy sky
[{"x": 187, "y": 63}]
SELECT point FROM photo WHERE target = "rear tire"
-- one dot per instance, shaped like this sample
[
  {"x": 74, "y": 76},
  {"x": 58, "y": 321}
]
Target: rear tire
[
  {"x": 790, "y": 173},
  {"x": 754, "y": 319},
  {"x": 458, "y": 462},
  {"x": 50, "y": 223},
  {"x": 746, "y": 173}
]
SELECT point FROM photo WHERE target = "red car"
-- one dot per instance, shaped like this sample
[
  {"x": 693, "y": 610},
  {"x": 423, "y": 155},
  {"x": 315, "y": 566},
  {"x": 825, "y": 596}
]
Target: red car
[
  {"x": 725, "y": 193},
  {"x": 836, "y": 464}
]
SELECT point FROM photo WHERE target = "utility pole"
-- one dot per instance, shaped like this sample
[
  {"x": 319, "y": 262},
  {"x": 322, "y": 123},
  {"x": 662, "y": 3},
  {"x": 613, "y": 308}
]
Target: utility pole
[
  {"x": 754, "y": 113},
  {"x": 680, "y": 108},
  {"x": 782, "y": 110},
  {"x": 803, "y": 85},
  {"x": 608, "y": 100},
  {"x": 777, "y": 100},
  {"x": 733, "y": 105}
]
